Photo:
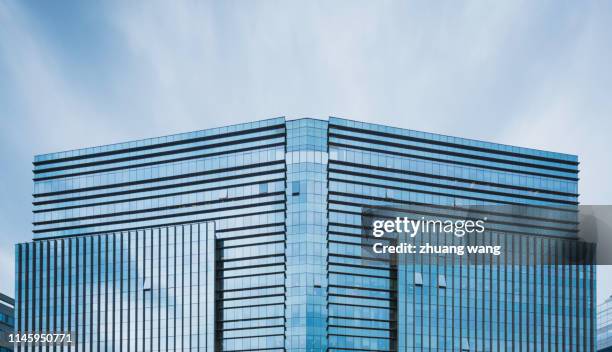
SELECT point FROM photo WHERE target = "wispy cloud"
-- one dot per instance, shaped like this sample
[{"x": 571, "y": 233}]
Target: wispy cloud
[
  {"x": 527, "y": 73},
  {"x": 41, "y": 111}
]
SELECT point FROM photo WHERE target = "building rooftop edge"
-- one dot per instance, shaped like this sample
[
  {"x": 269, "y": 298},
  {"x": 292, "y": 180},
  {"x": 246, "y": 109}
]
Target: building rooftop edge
[
  {"x": 274, "y": 120},
  {"x": 4, "y": 299}
]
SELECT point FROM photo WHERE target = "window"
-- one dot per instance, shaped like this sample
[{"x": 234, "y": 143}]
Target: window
[
  {"x": 223, "y": 193},
  {"x": 388, "y": 194},
  {"x": 263, "y": 188},
  {"x": 295, "y": 188},
  {"x": 465, "y": 344},
  {"x": 418, "y": 279},
  {"x": 441, "y": 281},
  {"x": 146, "y": 285}
]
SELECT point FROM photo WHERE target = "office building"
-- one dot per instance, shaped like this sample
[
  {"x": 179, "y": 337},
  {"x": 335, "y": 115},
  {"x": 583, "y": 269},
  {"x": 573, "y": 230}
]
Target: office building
[
  {"x": 604, "y": 326},
  {"x": 7, "y": 321},
  {"x": 250, "y": 237}
]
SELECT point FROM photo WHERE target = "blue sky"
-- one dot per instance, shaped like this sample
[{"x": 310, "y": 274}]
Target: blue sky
[{"x": 75, "y": 74}]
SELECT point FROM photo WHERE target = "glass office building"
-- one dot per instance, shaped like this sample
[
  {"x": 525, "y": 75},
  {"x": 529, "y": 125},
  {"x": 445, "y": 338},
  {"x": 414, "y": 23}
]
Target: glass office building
[
  {"x": 604, "y": 326},
  {"x": 250, "y": 237},
  {"x": 7, "y": 321}
]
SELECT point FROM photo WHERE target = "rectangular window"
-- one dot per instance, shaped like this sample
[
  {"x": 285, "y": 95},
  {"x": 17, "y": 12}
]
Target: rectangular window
[
  {"x": 441, "y": 281},
  {"x": 223, "y": 193},
  {"x": 263, "y": 188},
  {"x": 418, "y": 279},
  {"x": 295, "y": 188},
  {"x": 146, "y": 285},
  {"x": 465, "y": 344},
  {"x": 389, "y": 194}
]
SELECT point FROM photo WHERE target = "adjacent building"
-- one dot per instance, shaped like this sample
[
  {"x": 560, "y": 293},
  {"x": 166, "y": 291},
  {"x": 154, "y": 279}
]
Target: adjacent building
[
  {"x": 604, "y": 326},
  {"x": 7, "y": 321},
  {"x": 250, "y": 237}
]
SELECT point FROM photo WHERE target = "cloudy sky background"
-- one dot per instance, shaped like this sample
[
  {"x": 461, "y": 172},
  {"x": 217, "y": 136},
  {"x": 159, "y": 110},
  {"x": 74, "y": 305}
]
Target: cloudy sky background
[{"x": 76, "y": 74}]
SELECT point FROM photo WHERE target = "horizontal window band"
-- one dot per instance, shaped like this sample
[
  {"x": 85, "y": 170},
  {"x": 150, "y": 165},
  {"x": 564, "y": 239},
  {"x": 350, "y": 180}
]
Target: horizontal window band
[
  {"x": 153, "y": 155},
  {"x": 252, "y": 258},
  {"x": 380, "y": 263},
  {"x": 176, "y": 177},
  {"x": 252, "y": 244},
  {"x": 573, "y": 232},
  {"x": 254, "y": 319},
  {"x": 449, "y": 195},
  {"x": 449, "y": 144},
  {"x": 258, "y": 235},
  {"x": 125, "y": 200},
  {"x": 244, "y": 263},
  {"x": 363, "y": 293},
  {"x": 250, "y": 289},
  {"x": 362, "y": 319},
  {"x": 273, "y": 349},
  {"x": 349, "y": 349},
  {"x": 262, "y": 305},
  {"x": 480, "y": 166},
  {"x": 161, "y": 145},
  {"x": 359, "y": 327},
  {"x": 389, "y": 207},
  {"x": 256, "y": 305},
  {"x": 362, "y": 275},
  {"x": 253, "y": 296},
  {"x": 383, "y": 240},
  {"x": 359, "y": 266},
  {"x": 440, "y": 177},
  {"x": 146, "y": 219},
  {"x": 500, "y": 232},
  {"x": 90, "y": 172},
  {"x": 356, "y": 257},
  {"x": 363, "y": 297},
  {"x": 226, "y": 260},
  {"x": 450, "y": 187},
  {"x": 518, "y": 224},
  {"x": 186, "y": 225},
  {"x": 250, "y": 227},
  {"x": 248, "y": 337},
  {"x": 359, "y": 305},
  {"x": 250, "y": 267},
  {"x": 170, "y": 207},
  {"x": 358, "y": 245},
  {"x": 251, "y": 328},
  {"x": 361, "y": 337},
  {"x": 451, "y": 153}
]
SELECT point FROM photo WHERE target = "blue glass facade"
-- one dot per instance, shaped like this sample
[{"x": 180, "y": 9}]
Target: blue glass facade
[
  {"x": 287, "y": 200},
  {"x": 306, "y": 235},
  {"x": 141, "y": 290},
  {"x": 7, "y": 321},
  {"x": 604, "y": 326},
  {"x": 522, "y": 304}
]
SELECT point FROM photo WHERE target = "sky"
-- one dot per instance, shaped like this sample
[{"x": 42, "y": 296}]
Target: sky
[{"x": 82, "y": 73}]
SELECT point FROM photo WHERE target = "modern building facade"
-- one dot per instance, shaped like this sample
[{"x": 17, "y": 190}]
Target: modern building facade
[
  {"x": 250, "y": 237},
  {"x": 604, "y": 326},
  {"x": 7, "y": 321}
]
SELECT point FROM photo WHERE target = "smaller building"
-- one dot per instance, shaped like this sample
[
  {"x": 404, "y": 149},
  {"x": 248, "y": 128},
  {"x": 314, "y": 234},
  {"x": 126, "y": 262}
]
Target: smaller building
[
  {"x": 7, "y": 321},
  {"x": 604, "y": 326}
]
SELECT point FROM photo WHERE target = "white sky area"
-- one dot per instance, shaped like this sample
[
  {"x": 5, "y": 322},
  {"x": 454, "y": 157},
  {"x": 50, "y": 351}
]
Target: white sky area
[{"x": 76, "y": 74}]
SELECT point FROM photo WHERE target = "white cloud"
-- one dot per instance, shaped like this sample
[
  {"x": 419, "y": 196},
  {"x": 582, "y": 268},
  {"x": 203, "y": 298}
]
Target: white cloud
[
  {"x": 522, "y": 73},
  {"x": 41, "y": 111}
]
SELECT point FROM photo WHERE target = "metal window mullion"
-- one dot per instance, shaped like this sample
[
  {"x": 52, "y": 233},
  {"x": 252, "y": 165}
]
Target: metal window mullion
[{"x": 113, "y": 297}]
